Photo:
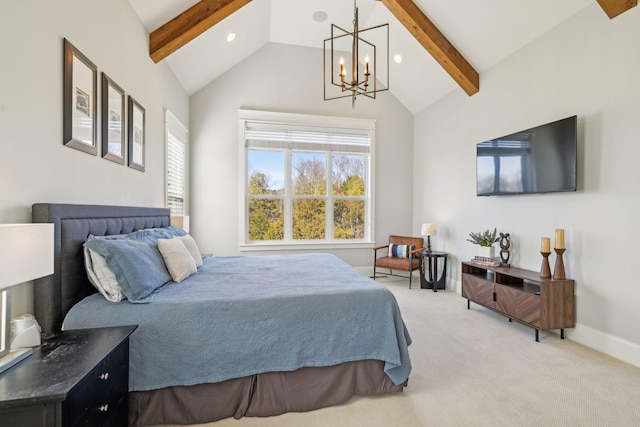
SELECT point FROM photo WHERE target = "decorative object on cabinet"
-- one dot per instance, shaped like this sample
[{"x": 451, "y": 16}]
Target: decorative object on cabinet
[
  {"x": 543, "y": 304},
  {"x": 136, "y": 133},
  {"x": 113, "y": 137},
  {"x": 78, "y": 377},
  {"x": 428, "y": 230},
  {"x": 485, "y": 239},
  {"x": 505, "y": 244},
  {"x": 558, "y": 271},
  {"x": 79, "y": 101},
  {"x": 545, "y": 270},
  {"x": 26, "y": 254}
]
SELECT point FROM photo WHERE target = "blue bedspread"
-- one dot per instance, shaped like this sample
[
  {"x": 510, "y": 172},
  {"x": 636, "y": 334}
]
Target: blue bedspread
[{"x": 240, "y": 316}]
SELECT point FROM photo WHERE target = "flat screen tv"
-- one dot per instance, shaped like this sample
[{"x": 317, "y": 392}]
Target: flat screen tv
[{"x": 537, "y": 160}]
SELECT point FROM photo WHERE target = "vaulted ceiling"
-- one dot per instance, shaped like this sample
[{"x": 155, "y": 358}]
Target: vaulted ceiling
[{"x": 444, "y": 44}]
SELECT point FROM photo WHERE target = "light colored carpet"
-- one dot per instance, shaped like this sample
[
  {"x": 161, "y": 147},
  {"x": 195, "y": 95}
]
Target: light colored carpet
[{"x": 475, "y": 368}]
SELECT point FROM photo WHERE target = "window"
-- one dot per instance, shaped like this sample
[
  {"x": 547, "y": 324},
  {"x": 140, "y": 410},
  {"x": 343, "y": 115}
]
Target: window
[
  {"x": 176, "y": 191},
  {"x": 307, "y": 180}
]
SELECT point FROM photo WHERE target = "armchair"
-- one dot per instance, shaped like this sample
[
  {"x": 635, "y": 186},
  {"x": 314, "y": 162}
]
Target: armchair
[{"x": 399, "y": 256}]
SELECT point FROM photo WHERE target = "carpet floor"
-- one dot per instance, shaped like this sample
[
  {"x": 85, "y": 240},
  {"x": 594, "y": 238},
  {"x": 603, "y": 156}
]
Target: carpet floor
[{"x": 475, "y": 368}]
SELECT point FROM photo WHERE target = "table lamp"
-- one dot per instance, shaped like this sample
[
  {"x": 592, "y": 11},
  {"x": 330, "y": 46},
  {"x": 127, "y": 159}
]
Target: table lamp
[
  {"x": 428, "y": 230},
  {"x": 26, "y": 253}
]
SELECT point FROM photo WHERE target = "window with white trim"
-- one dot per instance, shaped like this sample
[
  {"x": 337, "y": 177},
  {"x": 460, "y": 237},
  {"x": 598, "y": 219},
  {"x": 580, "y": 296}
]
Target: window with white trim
[
  {"x": 307, "y": 179},
  {"x": 176, "y": 179}
]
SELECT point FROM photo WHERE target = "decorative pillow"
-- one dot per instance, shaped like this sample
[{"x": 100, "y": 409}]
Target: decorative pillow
[
  {"x": 400, "y": 251},
  {"x": 193, "y": 249},
  {"x": 101, "y": 276},
  {"x": 177, "y": 258},
  {"x": 138, "y": 266}
]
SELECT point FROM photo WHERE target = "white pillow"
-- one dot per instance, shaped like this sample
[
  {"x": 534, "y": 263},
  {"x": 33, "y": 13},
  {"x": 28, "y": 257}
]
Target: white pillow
[
  {"x": 101, "y": 276},
  {"x": 193, "y": 249},
  {"x": 177, "y": 258}
]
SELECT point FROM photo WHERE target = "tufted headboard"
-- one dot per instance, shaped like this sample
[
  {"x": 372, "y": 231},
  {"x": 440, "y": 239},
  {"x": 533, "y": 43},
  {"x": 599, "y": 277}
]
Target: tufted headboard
[{"x": 55, "y": 295}]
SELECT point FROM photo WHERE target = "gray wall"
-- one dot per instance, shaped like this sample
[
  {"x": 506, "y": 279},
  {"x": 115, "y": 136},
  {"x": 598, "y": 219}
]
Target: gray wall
[
  {"x": 288, "y": 79},
  {"x": 35, "y": 166},
  {"x": 587, "y": 66}
]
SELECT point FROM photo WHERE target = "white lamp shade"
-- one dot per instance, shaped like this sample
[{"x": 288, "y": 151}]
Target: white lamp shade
[
  {"x": 26, "y": 252},
  {"x": 428, "y": 230}
]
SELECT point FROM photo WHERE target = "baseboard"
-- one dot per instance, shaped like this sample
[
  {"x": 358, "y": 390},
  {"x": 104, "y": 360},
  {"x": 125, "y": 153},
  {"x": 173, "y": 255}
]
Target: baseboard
[{"x": 611, "y": 345}]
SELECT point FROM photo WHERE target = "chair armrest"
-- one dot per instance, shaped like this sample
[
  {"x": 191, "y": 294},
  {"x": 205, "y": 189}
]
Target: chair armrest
[
  {"x": 380, "y": 247},
  {"x": 416, "y": 251}
]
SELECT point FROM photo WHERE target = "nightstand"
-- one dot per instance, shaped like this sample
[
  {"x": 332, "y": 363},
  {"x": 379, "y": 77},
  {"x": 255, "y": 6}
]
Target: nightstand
[
  {"x": 429, "y": 278},
  {"x": 78, "y": 377}
]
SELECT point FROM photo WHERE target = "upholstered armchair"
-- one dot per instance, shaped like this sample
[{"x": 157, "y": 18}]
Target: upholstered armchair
[{"x": 401, "y": 254}]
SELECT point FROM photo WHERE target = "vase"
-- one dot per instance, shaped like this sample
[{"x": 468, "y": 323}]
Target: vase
[{"x": 487, "y": 251}]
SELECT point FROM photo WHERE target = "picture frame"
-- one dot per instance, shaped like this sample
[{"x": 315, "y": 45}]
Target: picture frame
[
  {"x": 80, "y": 106},
  {"x": 113, "y": 119},
  {"x": 136, "y": 134}
]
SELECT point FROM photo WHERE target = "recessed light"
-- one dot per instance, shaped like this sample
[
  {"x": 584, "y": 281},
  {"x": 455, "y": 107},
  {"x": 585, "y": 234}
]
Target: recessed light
[
  {"x": 398, "y": 58},
  {"x": 320, "y": 16},
  {"x": 231, "y": 37}
]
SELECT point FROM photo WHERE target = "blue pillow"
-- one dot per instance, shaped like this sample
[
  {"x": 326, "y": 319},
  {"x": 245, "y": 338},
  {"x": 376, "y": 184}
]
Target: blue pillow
[
  {"x": 137, "y": 265},
  {"x": 400, "y": 251},
  {"x": 149, "y": 234}
]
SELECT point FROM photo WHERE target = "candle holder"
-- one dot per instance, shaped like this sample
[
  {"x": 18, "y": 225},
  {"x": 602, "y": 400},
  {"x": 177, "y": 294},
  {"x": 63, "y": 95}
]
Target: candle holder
[
  {"x": 558, "y": 271},
  {"x": 545, "y": 270}
]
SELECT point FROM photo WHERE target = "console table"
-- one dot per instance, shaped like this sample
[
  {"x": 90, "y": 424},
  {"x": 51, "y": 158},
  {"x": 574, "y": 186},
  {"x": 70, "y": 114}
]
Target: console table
[
  {"x": 79, "y": 377},
  {"x": 522, "y": 295},
  {"x": 429, "y": 279}
]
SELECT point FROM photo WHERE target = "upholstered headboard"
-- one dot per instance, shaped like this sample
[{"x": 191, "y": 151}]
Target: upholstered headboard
[{"x": 55, "y": 295}]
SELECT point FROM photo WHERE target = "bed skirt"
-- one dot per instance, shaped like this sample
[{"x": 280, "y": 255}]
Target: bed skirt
[{"x": 261, "y": 395}]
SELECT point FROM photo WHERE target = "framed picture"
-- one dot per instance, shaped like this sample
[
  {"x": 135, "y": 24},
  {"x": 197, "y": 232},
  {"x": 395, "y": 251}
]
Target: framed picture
[
  {"x": 80, "y": 101},
  {"x": 112, "y": 114},
  {"x": 135, "y": 129}
]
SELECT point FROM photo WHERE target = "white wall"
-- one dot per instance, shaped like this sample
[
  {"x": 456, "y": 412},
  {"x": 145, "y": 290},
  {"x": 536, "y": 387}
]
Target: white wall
[
  {"x": 587, "y": 66},
  {"x": 35, "y": 166},
  {"x": 288, "y": 79}
]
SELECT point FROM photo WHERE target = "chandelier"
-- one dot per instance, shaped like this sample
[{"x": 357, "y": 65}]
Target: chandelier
[{"x": 362, "y": 74}]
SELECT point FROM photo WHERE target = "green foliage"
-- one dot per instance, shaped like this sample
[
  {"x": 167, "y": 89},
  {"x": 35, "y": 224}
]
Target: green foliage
[
  {"x": 484, "y": 238},
  {"x": 266, "y": 212}
]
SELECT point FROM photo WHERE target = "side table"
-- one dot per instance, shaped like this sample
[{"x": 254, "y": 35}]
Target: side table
[
  {"x": 429, "y": 278},
  {"x": 79, "y": 377}
]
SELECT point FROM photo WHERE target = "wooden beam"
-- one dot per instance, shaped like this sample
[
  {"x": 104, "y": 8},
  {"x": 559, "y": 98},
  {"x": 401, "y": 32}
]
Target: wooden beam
[
  {"x": 435, "y": 43},
  {"x": 189, "y": 25},
  {"x": 614, "y": 8}
]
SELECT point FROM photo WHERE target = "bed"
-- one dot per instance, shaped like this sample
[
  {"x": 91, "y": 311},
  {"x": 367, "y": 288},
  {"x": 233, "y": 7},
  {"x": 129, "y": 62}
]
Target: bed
[{"x": 220, "y": 350}]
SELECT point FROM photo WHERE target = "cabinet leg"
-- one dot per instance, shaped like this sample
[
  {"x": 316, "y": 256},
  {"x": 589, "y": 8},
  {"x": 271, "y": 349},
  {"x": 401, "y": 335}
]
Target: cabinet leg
[
  {"x": 468, "y": 304},
  {"x": 562, "y": 333},
  {"x": 537, "y": 340},
  {"x": 510, "y": 320}
]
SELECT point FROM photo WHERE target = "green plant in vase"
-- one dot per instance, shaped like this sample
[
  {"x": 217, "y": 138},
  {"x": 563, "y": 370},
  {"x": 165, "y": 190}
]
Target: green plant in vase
[{"x": 485, "y": 239}]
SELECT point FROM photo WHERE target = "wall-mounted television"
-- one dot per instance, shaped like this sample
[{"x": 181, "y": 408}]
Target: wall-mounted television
[{"x": 537, "y": 160}]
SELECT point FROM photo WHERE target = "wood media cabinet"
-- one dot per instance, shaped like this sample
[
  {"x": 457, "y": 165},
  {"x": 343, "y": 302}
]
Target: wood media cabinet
[{"x": 523, "y": 295}]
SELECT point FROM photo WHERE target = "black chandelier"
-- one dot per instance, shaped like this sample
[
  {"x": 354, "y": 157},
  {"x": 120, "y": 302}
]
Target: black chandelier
[{"x": 357, "y": 78}]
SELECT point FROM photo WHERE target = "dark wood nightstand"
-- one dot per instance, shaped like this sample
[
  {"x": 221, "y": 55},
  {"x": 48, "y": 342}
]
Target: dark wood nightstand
[{"x": 78, "y": 377}]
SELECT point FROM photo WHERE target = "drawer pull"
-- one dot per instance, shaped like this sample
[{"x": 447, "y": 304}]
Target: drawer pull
[
  {"x": 104, "y": 376},
  {"x": 104, "y": 408}
]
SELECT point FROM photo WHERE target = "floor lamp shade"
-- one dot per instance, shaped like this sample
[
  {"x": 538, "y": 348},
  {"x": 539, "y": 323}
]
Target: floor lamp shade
[{"x": 26, "y": 253}]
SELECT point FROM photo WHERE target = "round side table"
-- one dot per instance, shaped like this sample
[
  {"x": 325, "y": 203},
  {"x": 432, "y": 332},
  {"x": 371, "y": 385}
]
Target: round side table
[{"x": 429, "y": 278}]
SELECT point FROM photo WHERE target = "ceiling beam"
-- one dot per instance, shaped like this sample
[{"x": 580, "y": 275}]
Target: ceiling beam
[
  {"x": 614, "y": 8},
  {"x": 189, "y": 25},
  {"x": 435, "y": 43}
]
